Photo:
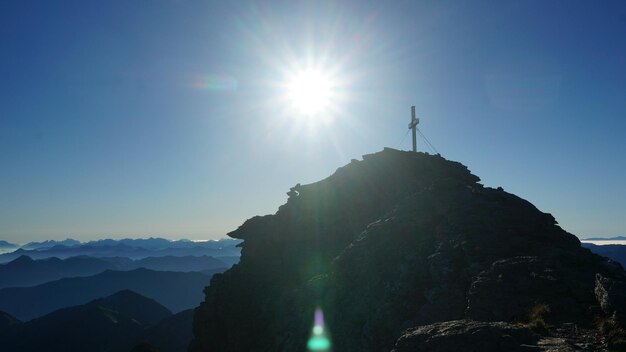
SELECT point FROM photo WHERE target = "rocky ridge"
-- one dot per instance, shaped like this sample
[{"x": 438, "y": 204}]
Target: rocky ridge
[{"x": 408, "y": 251}]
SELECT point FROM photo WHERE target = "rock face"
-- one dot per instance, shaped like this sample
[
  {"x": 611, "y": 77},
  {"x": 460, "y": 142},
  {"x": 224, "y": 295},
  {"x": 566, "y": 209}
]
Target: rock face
[
  {"x": 392, "y": 245},
  {"x": 469, "y": 335}
]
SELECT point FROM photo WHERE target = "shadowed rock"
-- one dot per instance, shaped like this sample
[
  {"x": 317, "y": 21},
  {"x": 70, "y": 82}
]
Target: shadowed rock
[
  {"x": 396, "y": 241},
  {"x": 468, "y": 336}
]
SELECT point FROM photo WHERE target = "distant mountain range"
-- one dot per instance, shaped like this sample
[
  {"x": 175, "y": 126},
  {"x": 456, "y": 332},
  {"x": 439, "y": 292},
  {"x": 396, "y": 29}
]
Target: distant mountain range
[
  {"x": 175, "y": 290},
  {"x": 162, "y": 243},
  {"x": 115, "y": 323},
  {"x": 153, "y": 243},
  {"x": 617, "y": 252},
  {"x": 7, "y": 247},
  {"x": 134, "y": 249},
  {"x": 25, "y": 271},
  {"x": 5, "y": 244},
  {"x": 51, "y": 243},
  {"x": 617, "y": 238}
]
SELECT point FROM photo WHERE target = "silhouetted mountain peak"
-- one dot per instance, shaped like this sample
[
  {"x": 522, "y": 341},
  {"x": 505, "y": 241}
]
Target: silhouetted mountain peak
[
  {"x": 113, "y": 323},
  {"x": 401, "y": 240},
  {"x": 145, "y": 310},
  {"x": 175, "y": 290},
  {"x": 21, "y": 260},
  {"x": 122, "y": 295}
]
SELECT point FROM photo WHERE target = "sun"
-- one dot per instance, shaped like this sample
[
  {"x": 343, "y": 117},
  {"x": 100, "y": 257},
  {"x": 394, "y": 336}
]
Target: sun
[{"x": 310, "y": 91}]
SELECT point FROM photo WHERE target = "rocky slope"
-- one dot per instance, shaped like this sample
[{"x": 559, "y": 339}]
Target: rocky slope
[{"x": 408, "y": 251}]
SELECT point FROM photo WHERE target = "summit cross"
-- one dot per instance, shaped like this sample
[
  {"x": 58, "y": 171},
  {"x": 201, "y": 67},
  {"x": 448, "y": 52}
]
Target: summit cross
[{"x": 413, "y": 127}]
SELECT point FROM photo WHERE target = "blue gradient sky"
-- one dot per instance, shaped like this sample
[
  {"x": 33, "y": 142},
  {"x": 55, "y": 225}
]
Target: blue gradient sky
[{"x": 162, "y": 118}]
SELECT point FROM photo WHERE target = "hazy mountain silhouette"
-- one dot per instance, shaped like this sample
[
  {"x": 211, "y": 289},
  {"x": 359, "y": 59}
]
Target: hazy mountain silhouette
[
  {"x": 175, "y": 290},
  {"x": 616, "y": 238},
  {"x": 406, "y": 251},
  {"x": 229, "y": 260},
  {"x": 51, "y": 243},
  {"x": 155, "y": 243},
  {"x": 615, "y": 252},
  {"x": 185, "y": 264},
  {"x": 7, "y": 245},
  {"x": 134, "y": 249},
  {"x": 114, "y": 323},
  {"x": 25, "y": 271}
]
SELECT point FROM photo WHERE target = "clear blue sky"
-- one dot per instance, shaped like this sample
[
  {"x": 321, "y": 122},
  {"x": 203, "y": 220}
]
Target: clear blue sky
[{"x": 165, "y": 118}]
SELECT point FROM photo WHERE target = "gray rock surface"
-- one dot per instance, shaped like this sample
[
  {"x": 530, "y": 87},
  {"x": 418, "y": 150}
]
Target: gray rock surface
[{"x": 468, "y": 336}]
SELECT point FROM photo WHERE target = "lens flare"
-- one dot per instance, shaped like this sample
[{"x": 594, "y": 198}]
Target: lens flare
[
  {"x": 319, "y": 340},
  {"x": 215, "y": 83}
]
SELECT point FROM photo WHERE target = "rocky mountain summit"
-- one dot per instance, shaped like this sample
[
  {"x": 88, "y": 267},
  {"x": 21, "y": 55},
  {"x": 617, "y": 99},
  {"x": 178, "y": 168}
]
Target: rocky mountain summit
[{"x": 408, "y": 251}]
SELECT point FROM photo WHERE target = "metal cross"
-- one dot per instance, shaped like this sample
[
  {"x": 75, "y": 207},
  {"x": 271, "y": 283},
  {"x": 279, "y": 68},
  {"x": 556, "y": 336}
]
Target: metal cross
[{"x": 413, "y": 127}]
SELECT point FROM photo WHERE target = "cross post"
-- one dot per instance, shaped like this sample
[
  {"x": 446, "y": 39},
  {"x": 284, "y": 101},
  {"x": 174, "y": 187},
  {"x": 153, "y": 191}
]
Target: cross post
[{"x": 413, "y": 127}]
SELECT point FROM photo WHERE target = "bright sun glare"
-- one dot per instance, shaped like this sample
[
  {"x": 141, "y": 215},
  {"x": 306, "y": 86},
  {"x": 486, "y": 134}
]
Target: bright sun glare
[{"x": 310, "y": 91}]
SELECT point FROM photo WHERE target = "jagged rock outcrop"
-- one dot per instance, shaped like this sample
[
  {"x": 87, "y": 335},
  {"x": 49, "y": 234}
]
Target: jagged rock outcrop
[
  {"x": 403, "y": 241},
  {"x": 611, "y": 294},
  {"x": 476, "y": 336},
  {"x": 469, "y": 336}
]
